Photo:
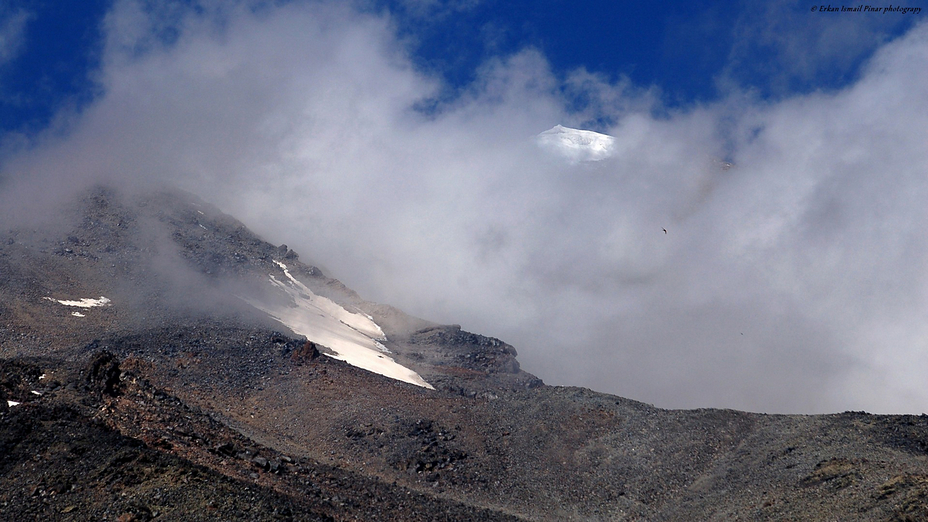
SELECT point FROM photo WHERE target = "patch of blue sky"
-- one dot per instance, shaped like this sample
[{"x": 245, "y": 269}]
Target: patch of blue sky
[
  {"x": 58, "y": 53},
  {"x": 685, "y": 52}
]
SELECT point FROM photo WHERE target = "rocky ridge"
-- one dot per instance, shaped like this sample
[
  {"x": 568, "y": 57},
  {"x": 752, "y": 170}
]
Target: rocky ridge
[{"x": 179, "y": 401}]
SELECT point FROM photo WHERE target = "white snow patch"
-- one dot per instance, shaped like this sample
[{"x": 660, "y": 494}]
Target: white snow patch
[
  {"x": 78, "y": 314},
  {"x": 82, "y": 303},
  {"x": 575, "y": 144},
  {"x": 12, "y": 403},
  {"x": 354, "y": 337},
  {"x": 35, "y": 392}
]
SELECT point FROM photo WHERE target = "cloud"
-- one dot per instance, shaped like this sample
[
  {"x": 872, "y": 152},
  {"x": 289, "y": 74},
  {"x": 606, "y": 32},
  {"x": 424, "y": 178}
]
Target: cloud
[
  {"x": 783, "y": 46},
  {"x": 793, "y": 281},
  {"x": 430, "y": 9},
  {"x": 12, "y": 34}
]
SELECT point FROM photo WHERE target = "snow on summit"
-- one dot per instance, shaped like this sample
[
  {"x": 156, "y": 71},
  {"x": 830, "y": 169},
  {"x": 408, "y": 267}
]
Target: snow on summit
[
  {"x": 353, "y": 337},
  {"x": 576, "y": 145}
]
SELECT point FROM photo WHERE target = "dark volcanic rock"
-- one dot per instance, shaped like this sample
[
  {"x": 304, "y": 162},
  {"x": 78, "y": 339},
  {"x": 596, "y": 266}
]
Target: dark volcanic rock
[
  {"x": 104, "y": 373},
  {"x": 305, "y": 353},
  {"x": 470, "y": 350},
  {"x": 181, "y": 401},
  {"x": 145, "y": 454}
]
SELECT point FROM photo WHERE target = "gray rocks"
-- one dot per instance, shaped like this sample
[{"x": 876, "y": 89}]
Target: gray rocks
[{"x": 470, "y": 350}]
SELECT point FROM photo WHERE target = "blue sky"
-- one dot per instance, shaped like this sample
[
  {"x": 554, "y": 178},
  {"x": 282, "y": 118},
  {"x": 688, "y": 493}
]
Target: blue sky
[
  {"x": 394, "y": 145},
  {"x": 692, "y": 51},
  {"x": 51, "y": 51}
]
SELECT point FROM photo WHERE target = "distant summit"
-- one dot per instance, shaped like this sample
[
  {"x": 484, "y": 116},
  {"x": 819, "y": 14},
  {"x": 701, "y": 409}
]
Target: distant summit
[{"x": 576, "y": 145}]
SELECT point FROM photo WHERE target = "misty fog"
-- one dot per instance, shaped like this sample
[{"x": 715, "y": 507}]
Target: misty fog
[{"x": 794, "y": 281}]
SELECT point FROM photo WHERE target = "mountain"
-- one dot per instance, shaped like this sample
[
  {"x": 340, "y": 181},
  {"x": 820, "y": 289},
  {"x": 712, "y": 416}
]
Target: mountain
[
  {"x": 159, "y": 361},
  {"x": 576, "y": 145}
]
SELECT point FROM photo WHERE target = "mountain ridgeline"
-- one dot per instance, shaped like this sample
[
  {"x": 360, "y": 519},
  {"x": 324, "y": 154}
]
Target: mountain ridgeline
[{"x": 159, "y": 361}]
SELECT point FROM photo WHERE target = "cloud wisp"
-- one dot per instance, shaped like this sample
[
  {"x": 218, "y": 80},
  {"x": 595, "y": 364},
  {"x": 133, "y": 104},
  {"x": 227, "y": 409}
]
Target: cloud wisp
[
  {"x": 794, "y": 281},
  {"x": 12, "y": 29}
]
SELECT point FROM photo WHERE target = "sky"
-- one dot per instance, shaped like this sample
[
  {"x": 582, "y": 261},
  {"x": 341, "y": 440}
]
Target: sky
[{"x": 393, "y": 144}]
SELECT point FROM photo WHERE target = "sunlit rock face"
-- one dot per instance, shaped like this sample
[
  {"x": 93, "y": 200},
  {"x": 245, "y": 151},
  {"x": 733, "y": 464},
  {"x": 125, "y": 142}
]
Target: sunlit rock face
[{"x": 576, "y": 145}]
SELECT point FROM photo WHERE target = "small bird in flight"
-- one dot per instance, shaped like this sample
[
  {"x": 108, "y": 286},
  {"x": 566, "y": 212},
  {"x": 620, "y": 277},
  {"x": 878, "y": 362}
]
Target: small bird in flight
[{"x": 665, "y": 230}]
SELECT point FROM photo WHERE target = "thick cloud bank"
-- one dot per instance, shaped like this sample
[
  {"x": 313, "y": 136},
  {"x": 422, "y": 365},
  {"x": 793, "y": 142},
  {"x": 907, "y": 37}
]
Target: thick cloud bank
[{"x": 794, "y": 279}]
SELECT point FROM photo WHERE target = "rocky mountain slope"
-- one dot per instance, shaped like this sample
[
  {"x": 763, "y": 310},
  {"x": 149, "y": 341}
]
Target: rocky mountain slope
[{"x": 178, "y": 399}]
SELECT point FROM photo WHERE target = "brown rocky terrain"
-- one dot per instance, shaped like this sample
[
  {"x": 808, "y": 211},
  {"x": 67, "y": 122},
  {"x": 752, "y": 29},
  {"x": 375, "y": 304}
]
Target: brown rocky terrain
[{"x": 178, "y": 400}]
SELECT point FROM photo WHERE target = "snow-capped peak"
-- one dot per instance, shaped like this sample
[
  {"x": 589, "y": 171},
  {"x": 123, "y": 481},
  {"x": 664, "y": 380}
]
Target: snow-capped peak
[{"x": 576, "y": 144}]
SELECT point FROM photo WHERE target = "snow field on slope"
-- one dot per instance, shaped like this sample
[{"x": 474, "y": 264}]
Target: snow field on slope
[
  {"x": 82, "y": 303},
  {"x": 355, "y": 338}
]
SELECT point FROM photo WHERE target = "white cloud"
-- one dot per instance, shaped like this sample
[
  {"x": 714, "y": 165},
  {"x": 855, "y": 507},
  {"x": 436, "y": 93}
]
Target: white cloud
[
  {"x": 794, "y": 281},
  {"x": 783, "y": 44},
  {"x": 12, "y": 34}
]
